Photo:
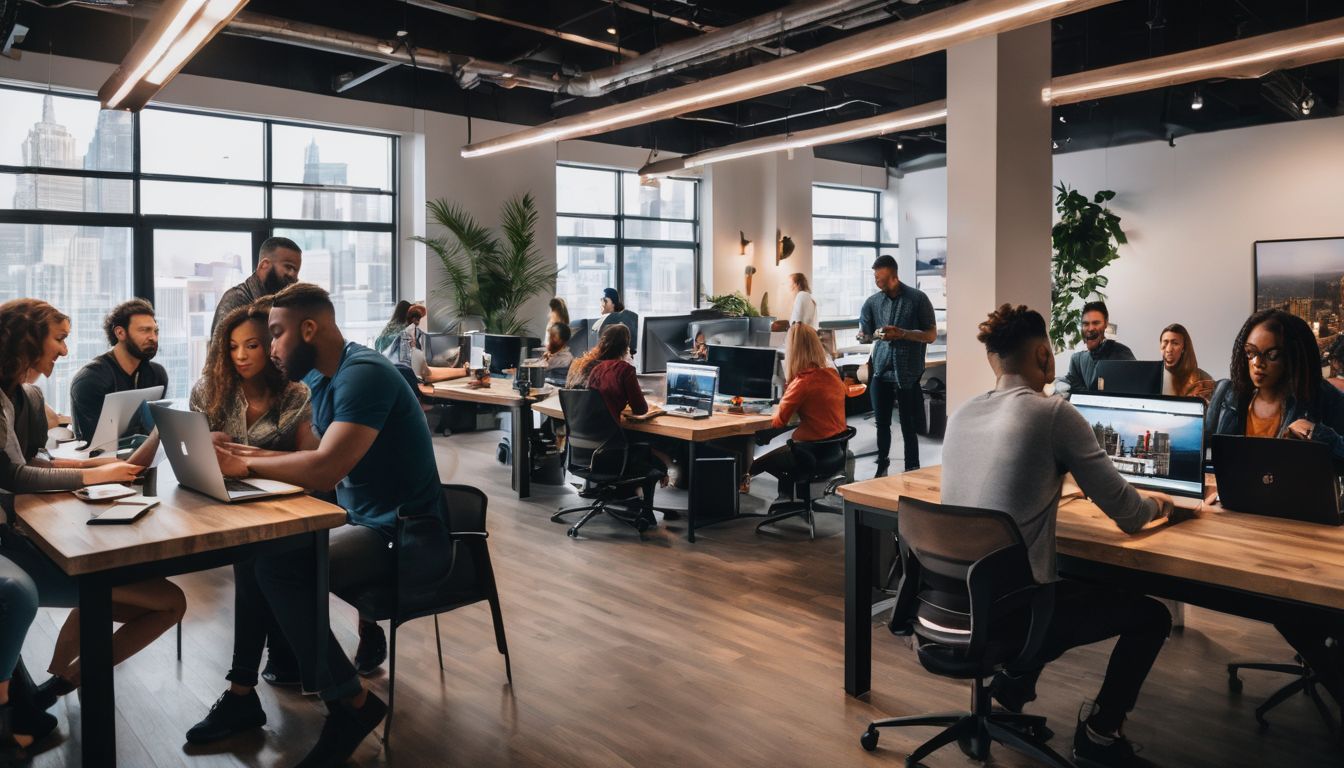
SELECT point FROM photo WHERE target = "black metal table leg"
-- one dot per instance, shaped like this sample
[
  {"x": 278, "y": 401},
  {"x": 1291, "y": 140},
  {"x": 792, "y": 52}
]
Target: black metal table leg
[
  {"x": 522, "y": 450},
  {"x": 858, "y": 603},
  {"x": 98, "y": 708},
  {"x": 690, "y": 492},
  {"x": 322, "y": 581}
]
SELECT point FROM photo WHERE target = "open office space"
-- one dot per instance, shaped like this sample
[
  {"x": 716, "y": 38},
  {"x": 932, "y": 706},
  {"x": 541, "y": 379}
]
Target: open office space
[{"x": 671, "y": 383}]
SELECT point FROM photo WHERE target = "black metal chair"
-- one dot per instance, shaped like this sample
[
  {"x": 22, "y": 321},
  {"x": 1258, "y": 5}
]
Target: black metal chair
[
  {"x": 968, "y": 596},
  {"x": 814, "y": 461},
  {"x": 430, "y": 580},
  {"x": 1305, "y": 680},
  {"x": 611, "y": 467}
]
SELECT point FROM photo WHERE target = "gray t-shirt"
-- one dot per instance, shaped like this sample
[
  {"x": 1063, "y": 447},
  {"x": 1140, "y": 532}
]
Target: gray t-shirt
[{"x": 1009, "y": 449}]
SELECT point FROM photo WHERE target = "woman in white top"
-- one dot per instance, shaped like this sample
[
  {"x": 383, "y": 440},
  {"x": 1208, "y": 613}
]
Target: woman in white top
[{"x": 804, "y": 306}]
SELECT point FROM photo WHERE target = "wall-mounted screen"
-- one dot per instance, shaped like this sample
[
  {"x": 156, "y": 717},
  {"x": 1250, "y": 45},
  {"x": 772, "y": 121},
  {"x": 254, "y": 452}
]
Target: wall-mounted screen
[{"x": 1304, "y": 277}]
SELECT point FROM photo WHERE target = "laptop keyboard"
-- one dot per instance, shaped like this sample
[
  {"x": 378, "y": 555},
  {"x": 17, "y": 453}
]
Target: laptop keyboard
[{"x": 238, "y": 486}]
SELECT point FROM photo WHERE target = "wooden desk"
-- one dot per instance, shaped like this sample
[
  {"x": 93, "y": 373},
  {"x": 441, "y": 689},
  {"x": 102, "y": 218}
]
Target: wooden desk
[
  {"x": 502, "y": 393},
  {"x": 1249, "y": 565},
  {"x": 186, "y": 532},
  {"x": 692, "y": 431}
]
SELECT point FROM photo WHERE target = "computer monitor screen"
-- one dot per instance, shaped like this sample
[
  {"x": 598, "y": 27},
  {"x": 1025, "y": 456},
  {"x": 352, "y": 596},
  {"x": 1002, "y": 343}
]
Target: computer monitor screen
[
  {"x": 735, "y": 331},
  {"x": 506, "y": 352},
  {"x": 745, "y": 371},
  {"x": 1129, "y": 377},
  {"x": 692, "y": 385},
  {"x": 1155, "y": 442}
]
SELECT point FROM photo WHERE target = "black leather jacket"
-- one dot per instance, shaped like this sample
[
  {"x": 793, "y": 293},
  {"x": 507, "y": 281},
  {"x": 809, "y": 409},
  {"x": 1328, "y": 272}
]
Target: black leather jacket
[{"x": 1226, "y": 416}]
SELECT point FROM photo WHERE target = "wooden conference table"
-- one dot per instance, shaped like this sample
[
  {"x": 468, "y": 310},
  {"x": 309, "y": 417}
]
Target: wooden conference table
[
  {"x": 186, "y": 532},
  {"x": 1249, "y": 565},
  {"x": 692, "y": 431},
  {"x": 502, "y": 393}
]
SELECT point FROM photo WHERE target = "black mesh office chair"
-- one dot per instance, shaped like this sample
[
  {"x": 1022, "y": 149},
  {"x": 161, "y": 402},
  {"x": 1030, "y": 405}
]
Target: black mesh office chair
[
  {"x": 968, "y": 596},
  {"x": 815, "y": 461},
  {"x": 611, "y": 467},
  {"x": 430, "y": 580},
  {"x": 1305, "y": 680}
]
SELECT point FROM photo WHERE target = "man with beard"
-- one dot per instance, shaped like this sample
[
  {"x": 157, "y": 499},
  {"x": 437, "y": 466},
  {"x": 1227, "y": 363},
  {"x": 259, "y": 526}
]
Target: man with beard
[
  {"x": 278, "y": 263},
  {"x": 134, "y": 336},
  {"x": 1082, "y": 375},
  {"x": 375, "y": 451}
]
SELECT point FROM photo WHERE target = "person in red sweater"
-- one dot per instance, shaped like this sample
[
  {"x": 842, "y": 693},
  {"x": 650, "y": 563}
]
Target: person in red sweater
[
  {"x": 814, "y": 392},
  {"x": 604, "y": 369}
]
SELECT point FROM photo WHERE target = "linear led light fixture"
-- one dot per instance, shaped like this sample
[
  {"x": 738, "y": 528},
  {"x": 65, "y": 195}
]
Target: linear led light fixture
[
  {"x": 1250, "y": 57},
  {"x": 176, "y": 31},
  {"x": 922, "y": 116},
  {"x": 898, "y": 41}
]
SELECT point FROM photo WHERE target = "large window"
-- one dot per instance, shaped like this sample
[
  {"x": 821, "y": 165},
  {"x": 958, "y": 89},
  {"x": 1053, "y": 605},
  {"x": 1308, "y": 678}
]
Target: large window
[
  {"x": 98, "y": 206},
  {"x": 642, "y": 239},
  {"x": 849, "y": 230}
]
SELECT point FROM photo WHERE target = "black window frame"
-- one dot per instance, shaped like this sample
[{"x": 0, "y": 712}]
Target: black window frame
[{"x": 877, "y": 243}]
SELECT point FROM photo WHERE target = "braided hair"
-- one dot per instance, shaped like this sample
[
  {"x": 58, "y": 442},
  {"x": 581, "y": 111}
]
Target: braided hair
[{"x": 1008, "y": 330}]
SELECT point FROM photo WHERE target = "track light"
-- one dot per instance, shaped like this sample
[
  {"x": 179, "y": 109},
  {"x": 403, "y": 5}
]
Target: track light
[
  {"x": 178, "y": 29},
  {"x": 1196, "y": 101},
  {"x": 611, "y": 30}
]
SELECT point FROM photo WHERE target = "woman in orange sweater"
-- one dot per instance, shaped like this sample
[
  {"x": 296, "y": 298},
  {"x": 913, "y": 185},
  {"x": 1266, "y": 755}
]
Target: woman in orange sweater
[{"x": 814, "y": 392}]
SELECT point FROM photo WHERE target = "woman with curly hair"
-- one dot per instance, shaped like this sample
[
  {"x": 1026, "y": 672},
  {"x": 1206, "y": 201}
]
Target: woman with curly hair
[{"x": 32, "y": 338}]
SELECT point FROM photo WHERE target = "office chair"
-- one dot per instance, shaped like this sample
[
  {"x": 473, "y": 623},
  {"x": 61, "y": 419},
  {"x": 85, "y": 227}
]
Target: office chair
[
  {"x": 813, "y": 462},
  {"x": 611, "y": 467},
  {"x": 1304, "y": 680},
  {"x": 968, "y": 596},
  {"x": 442, "y": 565}
]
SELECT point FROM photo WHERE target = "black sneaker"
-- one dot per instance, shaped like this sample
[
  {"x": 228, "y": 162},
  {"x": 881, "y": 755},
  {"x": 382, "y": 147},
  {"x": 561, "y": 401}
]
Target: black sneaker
[
  {"x": 372, "y": 650},
  {"x": 1088, "y": 752},
  {"x": 282, "y": 669},
  {"x": 344, "y": 729},
  {"x": 230, "y": 714}
]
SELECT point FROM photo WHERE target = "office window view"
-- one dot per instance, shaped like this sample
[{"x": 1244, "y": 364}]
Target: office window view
[
  {"x": 849, "y": 229},
  {"x": 82, "y": 227},
  {"x": 642, "y": 239}
]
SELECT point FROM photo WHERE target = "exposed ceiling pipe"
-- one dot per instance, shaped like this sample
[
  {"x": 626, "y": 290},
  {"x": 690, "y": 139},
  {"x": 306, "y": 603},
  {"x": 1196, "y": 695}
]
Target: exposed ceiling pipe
[
  {"x": 773, "y": 120},
  {"x": 471, "y": 15}
]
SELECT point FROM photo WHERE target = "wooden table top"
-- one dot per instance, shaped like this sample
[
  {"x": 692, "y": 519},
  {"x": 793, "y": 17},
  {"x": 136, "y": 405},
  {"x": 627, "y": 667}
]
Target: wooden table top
[
  {"x": 716, "y": 426},
  {"x": 1265, "y": 555},
  {"x": 500, "y": 392},
  {"x": 184, "y": 523}
]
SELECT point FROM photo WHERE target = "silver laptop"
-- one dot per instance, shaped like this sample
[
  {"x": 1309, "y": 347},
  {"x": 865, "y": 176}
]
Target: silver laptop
[
  {"x": 691, "y": 390},
  {"x": 185, "y": 436},
  {"x": 115, "y": 417}
]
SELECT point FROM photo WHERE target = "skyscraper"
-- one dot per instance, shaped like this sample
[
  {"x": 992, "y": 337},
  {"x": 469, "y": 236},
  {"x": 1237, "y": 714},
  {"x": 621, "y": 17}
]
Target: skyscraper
[{"x": 49, "y": 145}]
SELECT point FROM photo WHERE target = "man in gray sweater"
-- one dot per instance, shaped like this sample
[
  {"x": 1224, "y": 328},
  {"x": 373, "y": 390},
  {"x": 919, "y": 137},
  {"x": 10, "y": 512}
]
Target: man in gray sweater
[
  {"x": 1008, "y": 450},
  {"x": 1082, "y": 375}
]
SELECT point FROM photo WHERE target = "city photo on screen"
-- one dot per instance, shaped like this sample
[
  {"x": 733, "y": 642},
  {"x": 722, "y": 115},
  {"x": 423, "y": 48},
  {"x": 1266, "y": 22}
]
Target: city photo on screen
[{"x": 1155, "y": 443}]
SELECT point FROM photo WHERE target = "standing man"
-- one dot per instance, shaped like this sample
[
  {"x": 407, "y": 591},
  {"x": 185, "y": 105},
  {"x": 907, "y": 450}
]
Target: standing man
[
  {"x": 899, "y": 320},
  {"x": 134, "y": 335},
  {"x": 278, "y": 263},
  {"x": 1082, "y": 375}
]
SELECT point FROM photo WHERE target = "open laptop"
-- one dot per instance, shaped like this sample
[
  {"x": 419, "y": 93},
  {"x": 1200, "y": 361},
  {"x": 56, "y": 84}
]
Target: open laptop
[
  {"x": 185, "y": 436},
  {"x": 1129, "y": 377},
  {"x": 691, "y": 390},
  {"x": 1295, "y": 479},
  {"x": 118, "y": 410},
  {"x": 1156, "y": 443}
]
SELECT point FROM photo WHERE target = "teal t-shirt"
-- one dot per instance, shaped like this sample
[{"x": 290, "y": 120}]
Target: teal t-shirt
[{"x": 398, "y": 471}]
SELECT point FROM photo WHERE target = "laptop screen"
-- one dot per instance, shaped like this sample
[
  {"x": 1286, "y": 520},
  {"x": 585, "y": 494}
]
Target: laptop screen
[
  {"x": 1156, "y": 443},
  {"x": 692, "y": 385}
]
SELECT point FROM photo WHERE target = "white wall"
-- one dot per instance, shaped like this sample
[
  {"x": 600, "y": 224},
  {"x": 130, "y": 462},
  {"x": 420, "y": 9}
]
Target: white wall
[{"x": 1192, "y": 213}]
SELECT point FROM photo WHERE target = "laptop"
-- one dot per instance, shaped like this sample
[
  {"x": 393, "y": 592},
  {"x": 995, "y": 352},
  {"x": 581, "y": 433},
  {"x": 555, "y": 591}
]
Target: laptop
[
  {"x": 691, "y": 390},
  {"x": 1294, "y": 479},
  {"x": 1155, "y": 442},
  {"x": 118, "y": 410},
  {"x": 1129, "y": 377},
  {"x": 185, "y": 436}
]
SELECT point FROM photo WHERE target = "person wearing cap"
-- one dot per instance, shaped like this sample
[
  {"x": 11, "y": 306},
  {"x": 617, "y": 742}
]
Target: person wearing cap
[{"x": 613, "y": 311}]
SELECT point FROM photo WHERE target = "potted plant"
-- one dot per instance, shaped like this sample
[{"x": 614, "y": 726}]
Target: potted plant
[
  {"x": 1086, "y": 240},
  {"x": 733, "y": 305},
  {"x": 491, "y": 276}
]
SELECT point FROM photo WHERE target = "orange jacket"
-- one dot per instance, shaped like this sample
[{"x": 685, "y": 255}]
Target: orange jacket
[{"x": 818, "y": 396}]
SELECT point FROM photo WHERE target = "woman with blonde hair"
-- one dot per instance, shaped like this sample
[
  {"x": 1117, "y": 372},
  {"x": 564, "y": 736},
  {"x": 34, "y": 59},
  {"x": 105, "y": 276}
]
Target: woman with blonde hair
[{"x": 1181, "y": 375}]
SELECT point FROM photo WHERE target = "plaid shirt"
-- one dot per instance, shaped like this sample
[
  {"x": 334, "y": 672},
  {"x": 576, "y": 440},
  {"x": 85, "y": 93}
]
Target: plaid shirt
[{"x": 898, "y": 361}]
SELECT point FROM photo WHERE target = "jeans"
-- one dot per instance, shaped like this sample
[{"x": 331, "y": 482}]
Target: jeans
[
  {"x": 778, "y": 462},
  {"x": 357, "y": 555},
  {"x": 54, "y": 588},
  {"x": 909, "y": 402},
  {"x": 18, "y": 608},
  {"x": 253, "y": 626}
]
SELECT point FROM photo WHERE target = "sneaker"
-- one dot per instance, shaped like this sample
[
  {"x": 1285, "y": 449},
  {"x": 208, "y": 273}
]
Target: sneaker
[
  {"x": 1092, "y": 750},
  {"x": 232, "y": 713},
  {"x": 343, "y": 731},
  {"x": 282, "y": 669},
  {"x": 372, "y": 650}
]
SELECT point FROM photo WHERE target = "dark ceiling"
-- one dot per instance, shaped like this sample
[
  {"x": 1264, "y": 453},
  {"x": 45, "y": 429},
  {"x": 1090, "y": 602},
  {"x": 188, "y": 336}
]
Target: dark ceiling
[{"x": 1125, "y": 31}]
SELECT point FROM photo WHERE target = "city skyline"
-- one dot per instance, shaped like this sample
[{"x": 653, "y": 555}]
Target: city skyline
[{"x": 1149, "y": 443}]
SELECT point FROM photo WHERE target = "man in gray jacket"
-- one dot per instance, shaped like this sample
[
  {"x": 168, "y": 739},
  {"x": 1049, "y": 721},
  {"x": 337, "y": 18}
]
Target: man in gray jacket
[
  {"x": 1082, "y": 375},
  {"x": 1008, "y": 450}
]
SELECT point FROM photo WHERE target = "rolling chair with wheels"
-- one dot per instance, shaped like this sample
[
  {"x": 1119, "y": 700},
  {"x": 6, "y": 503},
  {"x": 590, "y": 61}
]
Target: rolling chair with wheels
[
  {"x": 611, "y": 467},
  {"x": 1305, "y": 680},
  {"x": 813, "y": 462},
  {"x": 968, "y": 596}
]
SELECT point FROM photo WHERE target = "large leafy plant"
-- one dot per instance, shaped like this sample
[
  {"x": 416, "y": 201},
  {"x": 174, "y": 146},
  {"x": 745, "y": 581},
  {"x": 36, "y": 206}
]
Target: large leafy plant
[
  {"x": 1085, "y": 241},
  {"x": 491, "y": 276},
  {"x": 733, "y": 305}
]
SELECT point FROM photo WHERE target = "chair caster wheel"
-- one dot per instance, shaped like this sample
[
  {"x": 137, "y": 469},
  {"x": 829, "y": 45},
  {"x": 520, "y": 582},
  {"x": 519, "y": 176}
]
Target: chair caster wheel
[
  {"x": 1234, "y": 683},
  {"x": 869, "y": 740},
  {"x": 573, "y": 533}
]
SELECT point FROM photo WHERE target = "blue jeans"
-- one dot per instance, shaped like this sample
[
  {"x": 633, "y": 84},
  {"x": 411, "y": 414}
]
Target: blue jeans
[
  {"x": 18, "y": 607},
  {"x": 909, "y": 402}
]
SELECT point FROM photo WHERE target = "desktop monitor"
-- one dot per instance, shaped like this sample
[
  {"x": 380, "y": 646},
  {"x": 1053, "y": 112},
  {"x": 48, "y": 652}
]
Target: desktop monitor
[
  {"x": 663, "y": 341},
  {"x": 1130, "y": 377},
  {"x": 440, "y": 348},
  {"x": 579, "y": 343},
  {"x": 506, "y": 352},
  {"x": 747, "y": 372},
  {"x": 733, "y": 331},
  {"x": 1156, "y": 443},
  {"x": 692, "y": 386}
]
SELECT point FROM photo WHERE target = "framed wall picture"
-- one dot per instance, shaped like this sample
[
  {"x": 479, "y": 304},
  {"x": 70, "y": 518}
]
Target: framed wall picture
[
  {"x": 931, "y": 278},
  {"x": 1304, "y": 277}
]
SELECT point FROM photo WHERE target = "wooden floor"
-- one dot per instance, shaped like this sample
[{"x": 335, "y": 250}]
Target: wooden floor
[{"x": 727, "y": 652}]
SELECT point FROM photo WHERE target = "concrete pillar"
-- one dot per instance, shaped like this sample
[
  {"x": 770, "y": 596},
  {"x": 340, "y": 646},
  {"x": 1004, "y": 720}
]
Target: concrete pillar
[{"x": 999, "y": 170}]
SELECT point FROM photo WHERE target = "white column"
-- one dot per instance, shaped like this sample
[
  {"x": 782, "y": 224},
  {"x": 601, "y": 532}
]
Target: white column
[{"x": 999, "y": 170}]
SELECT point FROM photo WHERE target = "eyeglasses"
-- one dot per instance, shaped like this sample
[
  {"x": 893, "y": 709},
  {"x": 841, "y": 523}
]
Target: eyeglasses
[{"x": 1271, "y": 355}]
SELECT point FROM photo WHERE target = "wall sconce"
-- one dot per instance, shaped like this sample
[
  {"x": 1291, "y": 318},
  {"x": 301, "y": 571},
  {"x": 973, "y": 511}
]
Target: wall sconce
[
  {"x": 783, "y": 247},
  {"x": 743, "y": 244},
  {"x": 750, "y": 270}
]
